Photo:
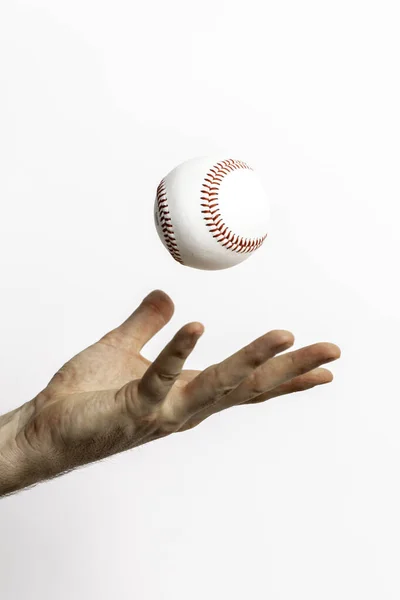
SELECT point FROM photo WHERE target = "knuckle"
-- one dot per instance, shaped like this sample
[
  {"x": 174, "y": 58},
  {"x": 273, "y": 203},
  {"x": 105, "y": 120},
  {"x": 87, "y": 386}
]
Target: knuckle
[
  {"x": 302, "y": 368},
  {"x": 167, "y": 377},
  {"x": 297, "y": 365},
  {"x": 224, "y": 391},
  {"x": 293, "y": 363},
  {"x": 180, "y": 352},
  {"x": 216, "y": 381},
  {"x": 257, "y": 384},
  {"x": 211, "y": 375},
  {"x": 254, "y": 357}
]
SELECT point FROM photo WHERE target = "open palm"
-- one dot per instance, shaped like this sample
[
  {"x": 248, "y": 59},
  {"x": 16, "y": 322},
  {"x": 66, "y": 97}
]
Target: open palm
[{"x": 110, "y": 398}]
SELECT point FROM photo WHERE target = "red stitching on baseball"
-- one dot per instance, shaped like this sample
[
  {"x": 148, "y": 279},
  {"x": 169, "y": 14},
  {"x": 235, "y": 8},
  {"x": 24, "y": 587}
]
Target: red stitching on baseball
[
  {"x": 164, "y": 217},
  {"x": 212, "y": 215}
]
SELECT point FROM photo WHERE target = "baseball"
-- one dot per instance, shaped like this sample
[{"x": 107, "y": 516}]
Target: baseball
[{"x": 211, "y": 214}]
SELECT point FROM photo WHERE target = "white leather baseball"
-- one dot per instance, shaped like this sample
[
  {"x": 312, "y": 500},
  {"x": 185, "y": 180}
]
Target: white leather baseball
[{"x": 211, "y": 214}]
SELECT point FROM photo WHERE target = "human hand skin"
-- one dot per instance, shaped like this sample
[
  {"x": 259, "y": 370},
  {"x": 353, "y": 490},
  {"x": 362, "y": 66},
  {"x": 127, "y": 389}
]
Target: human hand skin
[{"x": 109, "y": 398}]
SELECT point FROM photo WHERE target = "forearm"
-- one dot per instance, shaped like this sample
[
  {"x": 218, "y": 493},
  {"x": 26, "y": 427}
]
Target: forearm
[
  {"x": 23, "y": 463},
  {"x": 17, "y": 469}
]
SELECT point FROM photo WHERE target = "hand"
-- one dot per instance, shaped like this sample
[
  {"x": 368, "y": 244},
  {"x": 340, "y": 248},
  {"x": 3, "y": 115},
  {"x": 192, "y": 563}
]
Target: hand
[{"x": 109, "y": 398}]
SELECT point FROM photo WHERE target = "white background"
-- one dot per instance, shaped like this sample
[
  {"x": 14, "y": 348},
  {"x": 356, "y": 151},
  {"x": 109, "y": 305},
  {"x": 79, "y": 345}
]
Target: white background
[{"x": 297, "y": 498}]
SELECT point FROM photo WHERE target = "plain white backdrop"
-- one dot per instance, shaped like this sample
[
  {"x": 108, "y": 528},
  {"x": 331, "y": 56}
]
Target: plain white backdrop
[{"x": 295, "y": 499}]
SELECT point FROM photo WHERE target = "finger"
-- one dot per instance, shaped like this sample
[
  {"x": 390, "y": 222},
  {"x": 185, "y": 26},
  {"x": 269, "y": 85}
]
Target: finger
[
  {"x": 219, "y": 380},
  {"x": 283, "y": 369},
  {"x": 165, "y": 370},
  {"x": 301, "y": 383},
  {"x": 154, "y": 312},
  {"x": 298, "y": 384}
]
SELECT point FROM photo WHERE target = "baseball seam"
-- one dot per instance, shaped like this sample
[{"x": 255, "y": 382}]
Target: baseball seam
[
  {"x": 165, "y": 221},
  {"x": 211, "y": 209}
]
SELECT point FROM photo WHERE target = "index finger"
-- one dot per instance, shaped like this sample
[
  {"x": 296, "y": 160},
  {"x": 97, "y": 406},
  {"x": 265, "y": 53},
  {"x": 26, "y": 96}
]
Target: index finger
[{"x": 165, "y": 370}]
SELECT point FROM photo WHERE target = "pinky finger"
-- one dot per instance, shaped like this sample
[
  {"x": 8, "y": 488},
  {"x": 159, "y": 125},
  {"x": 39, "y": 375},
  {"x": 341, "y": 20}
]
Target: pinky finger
[{"x": 298, "y": 384}]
